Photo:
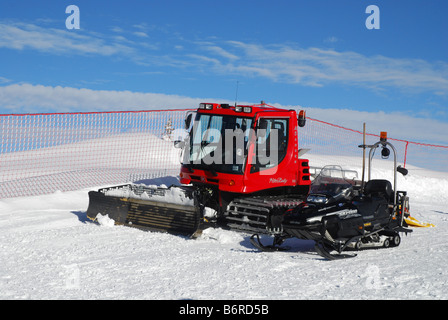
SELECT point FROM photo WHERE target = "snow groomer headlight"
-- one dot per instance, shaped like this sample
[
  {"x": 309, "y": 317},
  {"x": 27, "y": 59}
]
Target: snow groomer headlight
[{"x": 316, "y": 198}]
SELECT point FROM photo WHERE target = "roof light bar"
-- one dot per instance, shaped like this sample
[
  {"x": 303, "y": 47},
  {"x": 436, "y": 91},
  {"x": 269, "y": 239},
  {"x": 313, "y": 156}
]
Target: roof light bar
[
  {"x": 206, "y": 106},
  {"x": 243, "y": 109}
]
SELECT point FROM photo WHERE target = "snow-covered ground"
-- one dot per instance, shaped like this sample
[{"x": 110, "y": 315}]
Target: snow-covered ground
[{"x": 50, "y": 250}]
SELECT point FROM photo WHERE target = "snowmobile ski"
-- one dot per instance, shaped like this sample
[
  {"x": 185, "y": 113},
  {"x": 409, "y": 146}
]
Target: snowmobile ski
[
  {"x": 256, "y": 242},
  {"x": 323, "y": 250},
  {"x": 172, "y": 210}
]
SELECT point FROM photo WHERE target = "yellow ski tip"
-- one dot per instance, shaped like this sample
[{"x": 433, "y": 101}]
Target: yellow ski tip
[{"x": 412, "y": 222}]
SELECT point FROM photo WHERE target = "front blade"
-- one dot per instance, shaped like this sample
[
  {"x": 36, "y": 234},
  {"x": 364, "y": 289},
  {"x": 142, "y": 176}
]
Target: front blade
[{"x": 171, "y": 210}]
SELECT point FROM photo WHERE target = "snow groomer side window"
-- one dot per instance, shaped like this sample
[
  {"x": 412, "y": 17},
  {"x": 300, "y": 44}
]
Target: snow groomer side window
[{"x": 271, "y": 143}]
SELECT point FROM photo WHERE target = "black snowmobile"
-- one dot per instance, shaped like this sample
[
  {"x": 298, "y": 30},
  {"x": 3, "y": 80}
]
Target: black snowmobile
[{"x": 342, "y": 212}]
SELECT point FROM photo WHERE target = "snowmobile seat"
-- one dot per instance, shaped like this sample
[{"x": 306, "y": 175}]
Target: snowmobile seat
[
  {"x": 379, "y": 188},
  {"x": 374, "y": 203}
]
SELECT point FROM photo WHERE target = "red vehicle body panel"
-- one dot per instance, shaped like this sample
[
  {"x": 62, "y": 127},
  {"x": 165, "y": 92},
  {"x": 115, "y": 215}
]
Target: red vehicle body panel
[{"x": 290, "y": 172}]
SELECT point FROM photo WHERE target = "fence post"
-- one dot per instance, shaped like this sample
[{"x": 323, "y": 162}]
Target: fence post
[{"x": 405, "y": 153}]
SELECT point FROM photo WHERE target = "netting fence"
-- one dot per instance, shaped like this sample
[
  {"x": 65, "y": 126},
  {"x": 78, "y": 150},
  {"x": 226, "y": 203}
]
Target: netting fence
[
  {"x": 44, "y": 153},
  {"x": 330, "y": 141}
]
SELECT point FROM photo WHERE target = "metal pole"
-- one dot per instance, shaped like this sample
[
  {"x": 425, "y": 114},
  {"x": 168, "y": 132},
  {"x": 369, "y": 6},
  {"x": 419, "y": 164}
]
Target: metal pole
[{"x": 363, "y": 157}]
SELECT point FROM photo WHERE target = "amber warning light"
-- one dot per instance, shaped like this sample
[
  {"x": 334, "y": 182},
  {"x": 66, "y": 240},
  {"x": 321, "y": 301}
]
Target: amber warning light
[
  {"x": 383, "y": 136},
  {"x": 301, "y": 119}
]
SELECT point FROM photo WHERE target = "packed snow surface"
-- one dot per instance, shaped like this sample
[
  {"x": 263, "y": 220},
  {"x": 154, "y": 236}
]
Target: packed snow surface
[{"x": 50, "y": 250}]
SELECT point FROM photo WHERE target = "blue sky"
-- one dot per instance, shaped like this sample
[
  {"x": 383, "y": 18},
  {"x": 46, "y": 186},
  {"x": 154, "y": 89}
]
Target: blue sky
[{"x": 138, "y": 54}]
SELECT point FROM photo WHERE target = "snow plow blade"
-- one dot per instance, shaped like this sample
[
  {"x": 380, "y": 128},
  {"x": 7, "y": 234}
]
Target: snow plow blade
[
  {"x": 172, "y": 210},
  {"x": 412, "y": 222}
]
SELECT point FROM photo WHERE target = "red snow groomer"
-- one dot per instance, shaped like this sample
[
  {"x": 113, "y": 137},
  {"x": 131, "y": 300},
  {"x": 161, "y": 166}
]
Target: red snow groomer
[{"x": 242, "y": 169}]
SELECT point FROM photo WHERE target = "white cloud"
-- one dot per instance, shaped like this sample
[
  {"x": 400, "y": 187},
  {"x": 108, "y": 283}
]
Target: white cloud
[
  {"x": 4, "y": 80},
  {"x": 27, "y": 98},
  {"x": 331, "y": 39},
  {"x": 318, "y": 67},
  {"x": 140, "y": 34},
  {"x": 314, "y": 67},
  {"x": 21, "y": 36},
  {"x": 221, "y": 52},
  {"x": 117, "y": 29}
]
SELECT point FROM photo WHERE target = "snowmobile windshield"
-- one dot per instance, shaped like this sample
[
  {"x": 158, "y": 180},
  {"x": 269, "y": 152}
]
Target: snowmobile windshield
[
  {"x": 332, "y": 183},
  {"x": 219, "y": 143}
]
